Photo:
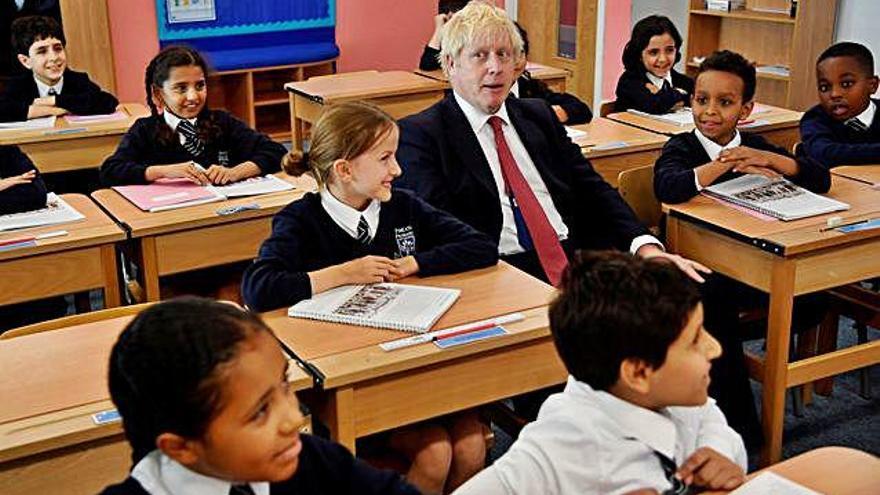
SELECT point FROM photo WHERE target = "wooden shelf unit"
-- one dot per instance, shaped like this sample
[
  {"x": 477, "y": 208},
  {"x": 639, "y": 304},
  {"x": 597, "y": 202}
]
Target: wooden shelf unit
[
  {"x": 257, "y": 96},
  {"x": 768, "y": 38}
]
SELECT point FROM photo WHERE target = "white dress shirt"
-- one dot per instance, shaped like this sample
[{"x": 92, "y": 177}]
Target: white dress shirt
[
  {"x": 44, "y": 88},
  {"x": 658, "y": 81},
  {"x": 714, "y": 149},
  {"x": 19, "y": 4},
  {"x": 591, "y": 442},
  {"x": 867, "y": 117},
  {"x": 508, "y": 243},
  {"x": 347, "y": 217},
  {"x": 172, "y": 121},
  {"x": 158, "y": 474}
]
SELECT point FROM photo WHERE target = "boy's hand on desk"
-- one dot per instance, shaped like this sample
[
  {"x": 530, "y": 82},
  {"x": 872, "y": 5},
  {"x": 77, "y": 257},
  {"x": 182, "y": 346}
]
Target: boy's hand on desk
[
  {"x": 653, "y": 89},
  {"x": 404, "y": 267},
  {"x": 46, "y": 101},
  {"x": 707, "y": 468},
  {"x": 17, "y": 180},
  {"x": 367, "y": 270},
  {"x": 751, "y": 161},
  {"x": 37, "y": 111},
  {"x": 561, "y": 114}
]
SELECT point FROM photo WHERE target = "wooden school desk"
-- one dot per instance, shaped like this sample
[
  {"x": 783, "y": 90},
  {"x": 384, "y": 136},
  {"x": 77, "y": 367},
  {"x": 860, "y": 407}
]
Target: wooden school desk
[
  {"x": 781, "y": 128},
  {"x": 784, "y": 259},
  {"x": 837, "y": 470},
  {"x": 613, "y": 147},
  {"x": 555, "y": 79},
  {"x": 869, "y": 174},
  {"x": 52, "y": 383},
  {"x": 82, "y": 260},
  {"x": 175, "y": 241},
  {"x": 73, "y": 146},
  {"x": 399, "y": 93},
  {"x": 361, "y": 389}
]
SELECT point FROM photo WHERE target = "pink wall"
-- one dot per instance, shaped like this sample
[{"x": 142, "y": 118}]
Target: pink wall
[
  {"x": 135, "y": 41},
  {"x": 618, "y": 15}
]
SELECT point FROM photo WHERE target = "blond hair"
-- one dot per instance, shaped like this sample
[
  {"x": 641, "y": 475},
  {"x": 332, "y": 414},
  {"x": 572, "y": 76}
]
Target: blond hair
[
  {"x": 476, "y": 19},
  {"x": 343, "y": 132}
]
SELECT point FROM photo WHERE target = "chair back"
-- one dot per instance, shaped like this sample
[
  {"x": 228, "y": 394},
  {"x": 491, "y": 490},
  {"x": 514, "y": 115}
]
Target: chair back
[
  {"x": 73, "y": 320},
  {"x": 606, "y": 107},
  {"x": 636, "y": 186}
]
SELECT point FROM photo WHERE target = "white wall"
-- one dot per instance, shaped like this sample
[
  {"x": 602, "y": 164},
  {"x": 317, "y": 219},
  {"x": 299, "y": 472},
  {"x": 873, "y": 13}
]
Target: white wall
[{"x": 857, "y": 20}]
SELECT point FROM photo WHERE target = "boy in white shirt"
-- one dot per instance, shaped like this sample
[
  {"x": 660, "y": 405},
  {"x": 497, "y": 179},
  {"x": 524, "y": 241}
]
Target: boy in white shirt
[{"x": 635, "y": 413}]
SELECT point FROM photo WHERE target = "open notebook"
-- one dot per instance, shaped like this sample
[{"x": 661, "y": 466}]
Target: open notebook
[
  {"x": 57, "y": 211},
  {"x": 682, "y": 118},
  {"x": 777, "y": 198},
  {"x": 168, "y": 194},
  {"x": 411, "y": 308}
]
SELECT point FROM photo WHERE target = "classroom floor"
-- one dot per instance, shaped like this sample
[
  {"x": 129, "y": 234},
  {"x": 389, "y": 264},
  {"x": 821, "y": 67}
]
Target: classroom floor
[{"x": 844, "y": 418}]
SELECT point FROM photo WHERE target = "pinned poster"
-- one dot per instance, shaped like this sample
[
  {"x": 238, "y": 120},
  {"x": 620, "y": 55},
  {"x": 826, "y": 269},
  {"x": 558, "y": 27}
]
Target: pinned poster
[{"x": 191, "y": 11}]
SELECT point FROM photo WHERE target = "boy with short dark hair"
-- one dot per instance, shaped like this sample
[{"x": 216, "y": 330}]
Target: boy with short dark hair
[
  {"x": 715, "y": 151},
  {"x": 842, "y": 129},
  {"x": 635, "y": 412},
  {"x": 50, "y": 88}
]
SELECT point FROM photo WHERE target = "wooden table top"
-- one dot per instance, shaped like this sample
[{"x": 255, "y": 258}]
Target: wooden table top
[
  {"x": 64, "y": 130},
  {"x": 485, "y": 293},
  {"x": 144, "y": 223},
  {"x": 366, "y": 84},
  {"x": 869, "y": 174},
  {"x": 796, "y": 236},
  {"x": 97, "y": 228},
  {"x": 774, "y": 117},
  {"x": 536, "y": 70},
  {"x": 602, "y": 132}
]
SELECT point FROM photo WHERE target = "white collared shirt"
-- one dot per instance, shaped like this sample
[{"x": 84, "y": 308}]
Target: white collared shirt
[
  {"x": 347, "y": 217},
  {"x": 867, "y": 117},
  {"x": 19, "y": 4},
  {"x": 714, "y": 149},
  {"x": 479, "y": 121},
  {"x": 508, "y": 243},
  {"x": 658, "y": 81},
  {"x": 44, "y": 88},
  {"x": 590, "y": 442},
  {"x": 158, "y": 474},
  {"x": 172, "y": 121}
]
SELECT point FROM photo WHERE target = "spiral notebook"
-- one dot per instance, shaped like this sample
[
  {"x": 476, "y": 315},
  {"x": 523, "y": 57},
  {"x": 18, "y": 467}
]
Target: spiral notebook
[
  {"x": 777, "y": 198},
  {"x": 410, "y": 308}
]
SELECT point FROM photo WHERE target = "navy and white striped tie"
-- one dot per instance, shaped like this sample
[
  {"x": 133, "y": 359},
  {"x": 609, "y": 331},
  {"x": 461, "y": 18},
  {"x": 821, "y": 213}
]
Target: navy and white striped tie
[
  {"x": 191, "y": 141},
  {"x": 363, "y": 233},
  {"x": 856, "y": 125}
]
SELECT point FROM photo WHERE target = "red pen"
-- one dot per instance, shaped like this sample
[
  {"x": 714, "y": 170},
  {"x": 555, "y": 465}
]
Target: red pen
[{"x": 463, "y": 331}]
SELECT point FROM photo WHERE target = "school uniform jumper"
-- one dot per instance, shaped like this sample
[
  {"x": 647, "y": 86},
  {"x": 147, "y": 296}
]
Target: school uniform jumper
[
  {"x": 23, "y": 197},
  {"x": 79, "y": 95},
  {"x": 674, "y": 171},
  {"x": 305, "y": 238},
  {"x": 632, "y": 93},
  {"x": 832, "y": 143},
  {"x": 237, "y": 143},
  {"x": 324, "y": 468}
]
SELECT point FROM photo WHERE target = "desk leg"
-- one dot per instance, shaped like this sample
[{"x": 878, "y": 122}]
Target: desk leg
[
  {"x": 336, "y": 413},
  {"x": 150, "y": 268},
  {"x": 111, "y": 276},
  {"x": 296, "y": 126},
  {"x": 776, "y": 361}
]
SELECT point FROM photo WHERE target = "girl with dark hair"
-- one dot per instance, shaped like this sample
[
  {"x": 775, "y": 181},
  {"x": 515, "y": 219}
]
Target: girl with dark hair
[
  {"x": 183, "y": 138},
  {"x": 649, "y": 82},
  {"x": 202, "y": 390}
]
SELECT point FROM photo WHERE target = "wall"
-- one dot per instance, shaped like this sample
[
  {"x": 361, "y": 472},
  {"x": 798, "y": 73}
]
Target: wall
[
  {"x": 857, "y": 21},
  {"x": 617, "y": 29},
  {"x": 135, "y": 40}
]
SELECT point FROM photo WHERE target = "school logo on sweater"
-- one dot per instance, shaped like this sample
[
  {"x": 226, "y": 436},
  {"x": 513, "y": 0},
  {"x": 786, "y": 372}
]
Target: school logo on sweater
[
  {"x": 223, "y": 158},
  {"x": 406, "y": 241}
]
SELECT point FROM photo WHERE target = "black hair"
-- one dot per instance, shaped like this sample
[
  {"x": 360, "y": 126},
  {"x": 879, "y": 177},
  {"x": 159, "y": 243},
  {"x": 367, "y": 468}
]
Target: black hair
[
  {"x": 166, "y": 367},
  {"x": 732, "y": 63},
  {"x": 29, "y": 29},
  {"x": 158, "y": 71},
  {"x": 524, "y": 36},
  {"x": 863, "y": 57},
  {"x": 613, "y": 306},
  {"x": 643, "y": 31}
]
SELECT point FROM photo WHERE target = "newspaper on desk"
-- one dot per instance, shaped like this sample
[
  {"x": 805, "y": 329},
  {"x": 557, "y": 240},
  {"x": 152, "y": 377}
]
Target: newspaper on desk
[
  {"x": 57, "y": 211},
  {"x": 778, "y": 198},
  {"x": 23, "y": 125},
  {"x": 768, "y": 483},
  {"x": 253, "y": 187}
]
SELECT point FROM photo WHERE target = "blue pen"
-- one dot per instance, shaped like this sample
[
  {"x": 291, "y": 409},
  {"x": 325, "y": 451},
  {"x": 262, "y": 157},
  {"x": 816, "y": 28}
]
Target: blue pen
[{"x": 66, "y": 130}]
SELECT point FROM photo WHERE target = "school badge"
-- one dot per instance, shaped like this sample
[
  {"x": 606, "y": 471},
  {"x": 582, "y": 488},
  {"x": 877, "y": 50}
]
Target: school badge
[
  {"x": 223, "y": 158},
  {"x": 406, "y": 241}
]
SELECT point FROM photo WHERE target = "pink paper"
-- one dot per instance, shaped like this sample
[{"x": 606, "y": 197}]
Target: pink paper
[{"x": 165, "y": 193}]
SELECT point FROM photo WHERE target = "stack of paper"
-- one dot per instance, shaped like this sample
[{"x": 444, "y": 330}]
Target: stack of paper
[
  {"x": 683, "y": 117},
  {"x": 41, "y": 123},
  {"x": 775, "y": 197},
  {"x": 168, "y": 194},
  {"x": 57, "y": 211}
]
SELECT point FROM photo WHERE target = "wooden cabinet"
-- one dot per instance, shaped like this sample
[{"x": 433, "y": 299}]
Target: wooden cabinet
[
  {"x": 765, "y": 33},
  {"x": 257, "y": 96}
]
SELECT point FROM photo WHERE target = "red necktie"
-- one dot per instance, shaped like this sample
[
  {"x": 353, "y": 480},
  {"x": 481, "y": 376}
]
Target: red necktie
[{"x": 550, "y": 253}]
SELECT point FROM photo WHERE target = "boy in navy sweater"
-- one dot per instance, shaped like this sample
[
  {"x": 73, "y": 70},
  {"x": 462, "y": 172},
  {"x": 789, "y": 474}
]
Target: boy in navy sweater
[
  {"x": 715, "y": 150},
  {"x": 51, "y": 88},
  {"x": 843, "y": 129}
]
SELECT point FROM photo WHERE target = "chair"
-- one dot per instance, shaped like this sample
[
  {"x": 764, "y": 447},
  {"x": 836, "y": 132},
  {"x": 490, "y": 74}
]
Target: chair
[
  {"x": 606, "y": 107},
  {"x": 69, "y": 321},
  {"x": 636, "y": 186}
]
